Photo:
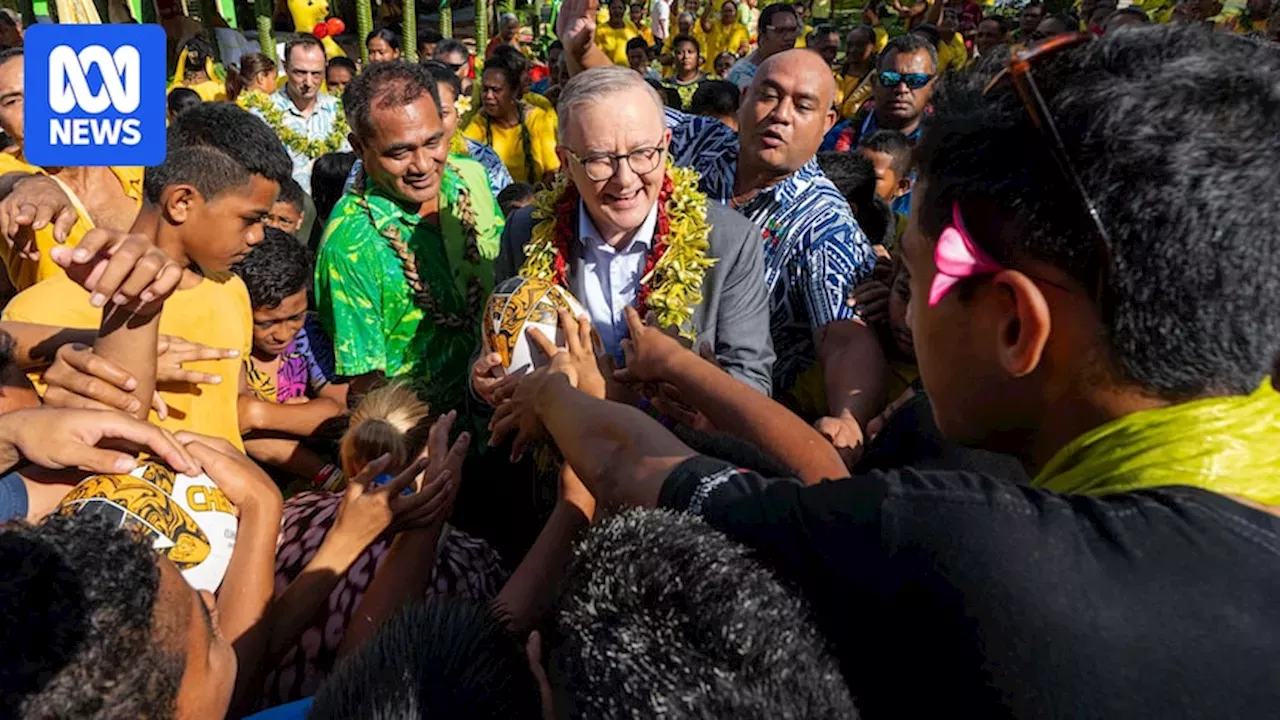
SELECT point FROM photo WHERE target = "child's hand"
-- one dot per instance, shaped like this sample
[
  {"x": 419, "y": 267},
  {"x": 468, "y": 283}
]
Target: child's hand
[
  {"x": 244, "y": 483},
  {"x": 35, "y": 202},
  {"x": 70, "y": 438},
  {"x": 124, "y": 268},
  {"x": 368, "y": 510},
  {"x": 173, "y": 352},
  {"x": 80, "y": 379}
]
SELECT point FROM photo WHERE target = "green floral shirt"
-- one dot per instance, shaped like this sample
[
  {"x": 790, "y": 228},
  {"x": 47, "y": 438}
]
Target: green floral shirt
[{"x": 366, "y": 304}]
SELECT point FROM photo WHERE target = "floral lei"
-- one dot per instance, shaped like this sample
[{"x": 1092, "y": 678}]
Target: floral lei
[
  {"x": 671, "y": 284},
  {"x": 292, "y": 139}
]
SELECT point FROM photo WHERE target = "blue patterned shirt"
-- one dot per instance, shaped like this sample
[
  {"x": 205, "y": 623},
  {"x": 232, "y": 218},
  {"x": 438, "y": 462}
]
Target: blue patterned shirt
[
  {"x": 499, "y": 178},
  {"x": 814, "y": 251},
  {"x": 316, "y": 126}
]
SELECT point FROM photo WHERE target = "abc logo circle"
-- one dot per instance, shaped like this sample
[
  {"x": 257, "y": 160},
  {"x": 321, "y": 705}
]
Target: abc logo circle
[
  {"x": 518, "y": 304},
  {"x": 188, "y": 519}
]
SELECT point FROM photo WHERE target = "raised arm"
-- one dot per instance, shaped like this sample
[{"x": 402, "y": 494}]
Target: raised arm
[
  {"x": 653, "y": 356},
  {"x": 576, "y": 27}
]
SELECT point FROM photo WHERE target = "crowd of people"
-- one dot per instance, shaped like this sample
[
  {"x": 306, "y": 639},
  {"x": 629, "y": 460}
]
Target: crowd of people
[{"x": 923, "y": 366}]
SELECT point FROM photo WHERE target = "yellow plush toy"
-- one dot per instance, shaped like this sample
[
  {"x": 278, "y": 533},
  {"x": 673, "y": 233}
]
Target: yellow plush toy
[{"x": 307, "y": 14}]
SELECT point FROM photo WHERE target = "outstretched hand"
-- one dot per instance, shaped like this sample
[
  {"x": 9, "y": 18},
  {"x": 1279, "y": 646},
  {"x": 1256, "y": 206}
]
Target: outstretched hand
[
  {"x": 577, "y": 364},
  {"x": 648, "y": 352},
  {"x": 82, "y": 379},
  {"x": 34, "y": 203},
  {"x": 59, "y": 439},
  {"x": 126, "y": 269}
]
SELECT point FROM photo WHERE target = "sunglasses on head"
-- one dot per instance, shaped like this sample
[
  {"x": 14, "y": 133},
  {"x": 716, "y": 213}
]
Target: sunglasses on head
[{"x": 915, "y": 81}]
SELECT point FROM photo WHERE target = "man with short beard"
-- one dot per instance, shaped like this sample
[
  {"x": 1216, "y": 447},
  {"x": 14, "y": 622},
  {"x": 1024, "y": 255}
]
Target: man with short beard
[
  {"x": 814, "y": 251},
  {"x": 407, "y": 259}
]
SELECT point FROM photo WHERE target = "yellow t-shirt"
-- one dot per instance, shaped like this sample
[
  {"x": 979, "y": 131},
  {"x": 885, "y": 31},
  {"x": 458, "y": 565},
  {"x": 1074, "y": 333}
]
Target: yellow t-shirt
[
  {"x": 509, "y": 144},
  {"x": 613, "y": 41},
  {"x": 723, "y": 39},
  {"x": 952, "y": 55},
  {"x": 216, "y": 314},
  {"x": 24, "y": 272}
]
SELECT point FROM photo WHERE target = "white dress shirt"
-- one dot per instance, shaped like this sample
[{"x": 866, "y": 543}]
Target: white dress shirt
[{"x": 612, "y": 278}]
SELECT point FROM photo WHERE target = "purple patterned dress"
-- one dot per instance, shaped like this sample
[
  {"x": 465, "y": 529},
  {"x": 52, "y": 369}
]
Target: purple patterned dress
[{"x": 465, "y": 567}]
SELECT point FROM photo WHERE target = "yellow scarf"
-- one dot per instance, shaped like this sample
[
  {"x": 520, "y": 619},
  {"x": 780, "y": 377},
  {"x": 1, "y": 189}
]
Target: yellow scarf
[{"x": 1226, "y": 445}]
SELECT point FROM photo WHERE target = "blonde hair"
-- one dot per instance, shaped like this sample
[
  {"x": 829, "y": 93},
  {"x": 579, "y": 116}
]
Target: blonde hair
[{"x": 391, "y": 419}]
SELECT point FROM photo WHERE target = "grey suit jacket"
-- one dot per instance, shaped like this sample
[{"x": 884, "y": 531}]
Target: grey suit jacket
[{"x": 734, "y": 313}]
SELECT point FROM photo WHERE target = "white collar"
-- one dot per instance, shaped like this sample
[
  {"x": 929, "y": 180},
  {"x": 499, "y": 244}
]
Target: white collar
[{"x": 588, "y": 233}]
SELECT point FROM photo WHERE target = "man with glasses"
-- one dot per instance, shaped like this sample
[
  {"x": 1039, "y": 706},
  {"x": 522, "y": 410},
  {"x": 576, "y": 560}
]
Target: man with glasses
[
  {"x": 455, "y": 56},
  {"x": 900, "y": 92},
  {"x": 614, "y": 146},
  {"x": 779, "y": 27},
  {"x": 814, "y": 251}
]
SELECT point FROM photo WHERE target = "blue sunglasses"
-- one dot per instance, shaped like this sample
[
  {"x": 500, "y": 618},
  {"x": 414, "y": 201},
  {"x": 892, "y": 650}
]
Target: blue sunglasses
[{"x": 915, "y": 81}]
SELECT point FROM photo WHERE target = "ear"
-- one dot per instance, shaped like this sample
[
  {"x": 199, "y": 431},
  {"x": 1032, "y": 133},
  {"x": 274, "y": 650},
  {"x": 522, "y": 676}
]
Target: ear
[
  {"x": 178, "y": 202},
  {"x": 904, "y": 186},
  {"x": 563, "y": 153},
  {"x": 1024, "y": 324},
  {"x": 830, "y": 121},
  {"x": 355, "y": 144}
]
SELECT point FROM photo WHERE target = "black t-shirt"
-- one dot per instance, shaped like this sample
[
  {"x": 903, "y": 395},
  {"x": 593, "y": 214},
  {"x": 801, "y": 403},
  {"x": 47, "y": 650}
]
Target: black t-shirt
[{"x": 952, "y": 593}]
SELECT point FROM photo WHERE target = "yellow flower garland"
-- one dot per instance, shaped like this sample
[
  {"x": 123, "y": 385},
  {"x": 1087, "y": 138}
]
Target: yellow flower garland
[
  {"x": 292, "y": 139},
  {"x": 677, "y": 275}
]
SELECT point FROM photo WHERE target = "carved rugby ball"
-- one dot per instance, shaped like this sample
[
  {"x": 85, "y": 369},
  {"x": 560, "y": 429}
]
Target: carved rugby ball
[
  {"x": 188, "y": 519},
  {"x": 517, "y": 305}
]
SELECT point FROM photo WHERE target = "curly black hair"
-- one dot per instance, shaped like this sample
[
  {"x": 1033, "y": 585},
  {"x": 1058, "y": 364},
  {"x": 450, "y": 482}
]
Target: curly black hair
[
  {"x": 393, "y": 83},
  {"x": 216, "y": 146},
  {"x": 443, "y": 658},
  {"x": 79, "y": 602},
  {"x": 274, "y": 269},
  {"x": 1190, "y": 302},
  {"x": 663, "y": 616},
  {"x": 328, "y": 177}
]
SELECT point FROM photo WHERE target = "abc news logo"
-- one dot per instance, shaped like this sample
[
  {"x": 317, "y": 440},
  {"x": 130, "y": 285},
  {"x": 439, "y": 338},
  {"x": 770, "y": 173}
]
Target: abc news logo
[
  {"x": 95, "y": 95},
  {"x": 69, "y": 89}
]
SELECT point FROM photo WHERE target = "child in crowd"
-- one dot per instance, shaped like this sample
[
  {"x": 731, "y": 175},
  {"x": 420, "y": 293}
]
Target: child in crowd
[
  {"x": 723, "y": 63},
  {"x": 182, "y": 99},
  {"x": 204, "y": 209},
  {"x": 890, "y": 151},
  {"x": 515, "y": 196},
  {"x": 289, "y": 393},
  {"x": 855, "y": 177},
  {"x": 289, "y": 209},
  {"x": 638, "y": 59},
  {"x": 717, "y": 99},
  {"x": 336, "y": 584}
]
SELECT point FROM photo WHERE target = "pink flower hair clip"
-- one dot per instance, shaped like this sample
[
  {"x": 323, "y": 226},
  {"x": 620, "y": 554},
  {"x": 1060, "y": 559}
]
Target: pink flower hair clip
[{"x": 957, "y": 258}]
